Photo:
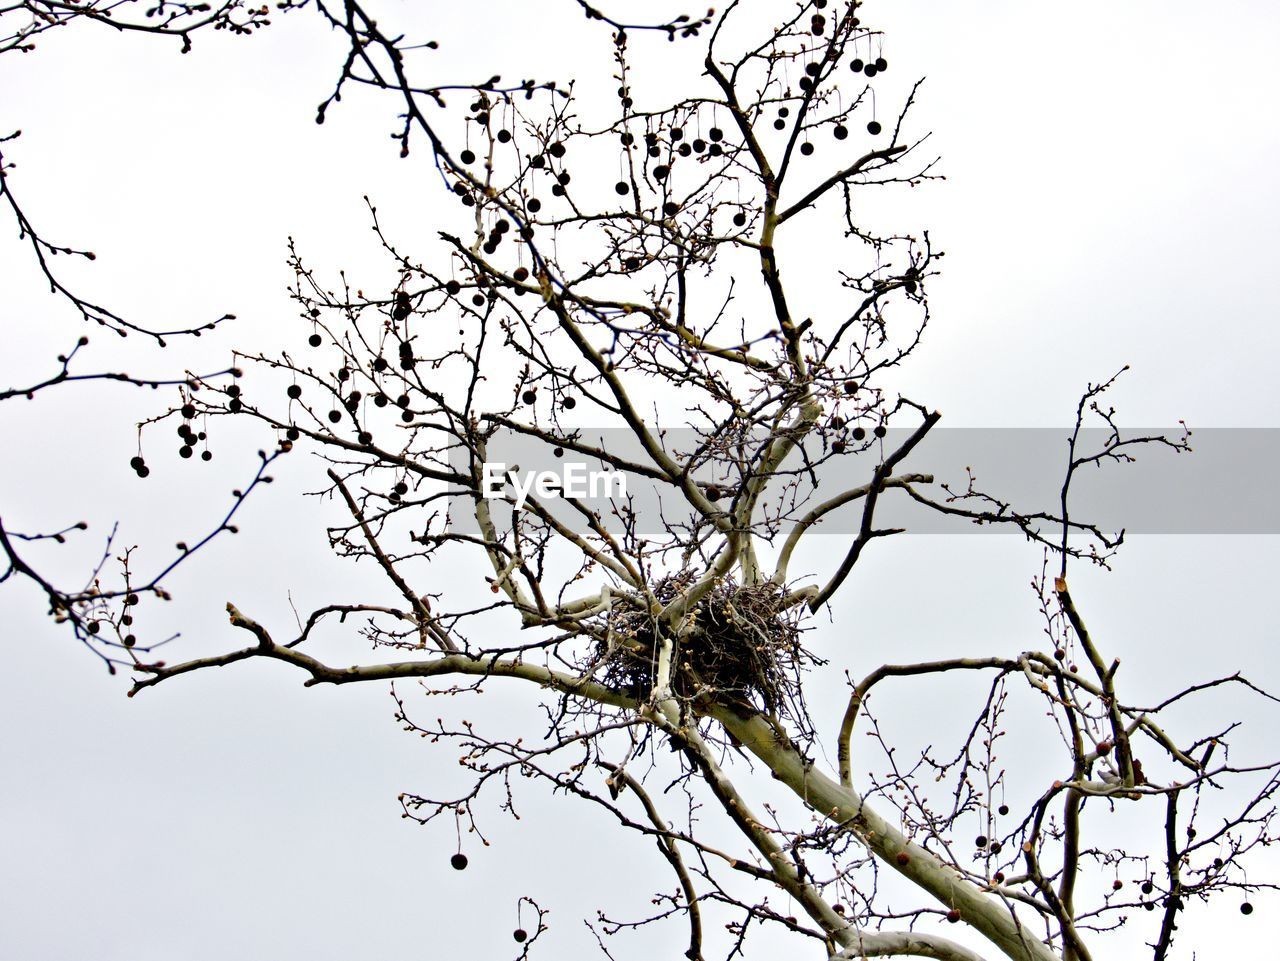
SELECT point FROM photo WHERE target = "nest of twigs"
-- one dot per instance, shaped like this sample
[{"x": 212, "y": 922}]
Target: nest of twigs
[{"x": 742, "y": 645}]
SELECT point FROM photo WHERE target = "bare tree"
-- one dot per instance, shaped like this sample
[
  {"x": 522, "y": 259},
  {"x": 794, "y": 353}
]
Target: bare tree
[{"x": 612, "y": 293}]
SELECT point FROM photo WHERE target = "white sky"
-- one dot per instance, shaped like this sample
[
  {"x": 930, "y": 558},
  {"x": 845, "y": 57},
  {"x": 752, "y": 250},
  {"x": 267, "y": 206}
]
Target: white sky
[{"x": 1110, "y": 199}]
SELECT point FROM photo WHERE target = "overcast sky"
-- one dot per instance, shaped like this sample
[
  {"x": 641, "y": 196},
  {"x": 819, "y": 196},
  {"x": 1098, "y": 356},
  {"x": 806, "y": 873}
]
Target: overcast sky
[{"x": 1110, "y": 199}]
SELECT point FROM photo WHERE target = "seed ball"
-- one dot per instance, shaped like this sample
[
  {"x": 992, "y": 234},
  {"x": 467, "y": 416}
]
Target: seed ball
[
  {"x": 188, "y": 411},
  {"x": 365, "y": 438},
  {"x": 1117, "y": 884},
  {"x": 812, "y": 69},
  {"x": 235, "y": 405},
  {"x": 293, "y": 433},
  {"x": 713, "y": 493},
  {"x": 856, "y": 65},
  {"x": 779, "y": 124},
  {"x": 558, "y": 452},
  {"x": 314, "y": 340},
  {"x": 879, "y": 430},
  {"x": 805, "y": 83},
  {"x": 999, "y": 877},
  {"x": 859, "y": 433},
  {"x": 874, "y": 127},
  {"x": 467, "y": 157},
  {"x": 684, "y": 150},
  {"x": 477, "y": 300},
  {"x": 953, "y": 915},
  {"x": 529, "y": 396},
  {"x": 184, "y": 451},
  {"x": 93, "y": 627},
  {"x": 144, "y": 471},
  {"x": 671, "y": 208},
  {"x": 996, "y": 847},
  {"x": 841, "y": 132},
  {"x": 407, "y": 362},
  {"x": 295, "y": 391},
  {"x": 699, "y": 145},
  {"x": 631, "y": 263},
  {"x": 1003, "y": 809},
  {"x": 850, "y": 386},
  {"x": 838, "y": 447},
  {"x": 459, "y": 862},
  {"x": 870, "y": 70},
  {"x": 980, "y": 841},
  {"x": 739, "y": 219},
  {"x": 1246, "y": 908},
  {"x": 130, "y": 640},
  {"x": 402, "y": 400},
  {"x": 881, "y": 64},
  {"x": 206, "y": 456},
  {"x": 556, "y": 149},
  {"x": 401, "y": 488},
  {"x": 380, "y": 401},
  {"x": 660, "y": 172},
  {"x": 520, "y": 935},
  {"x": 570, "y": 403},
  {"x": 903, "y": 858},
  {"x": 1059, "y": 654},
  {"x": 557, "y": 190},
  {"x": 137, "y": 463},
  {"x": 504, "y": 136},
  {"x": 716, "y": 134},
  {"x": 335, "y": 416},
  {"x": 806, "y": 148},
  {"x": 407, "y": 417},
  {"x": 910, "y": 286},
  {"x": 627, "y": 139},
  {"x": 621, "y": 188}
]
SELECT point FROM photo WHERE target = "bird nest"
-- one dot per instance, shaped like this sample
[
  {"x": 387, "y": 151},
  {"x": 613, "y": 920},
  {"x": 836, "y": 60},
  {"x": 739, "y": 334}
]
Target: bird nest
[{"x": 741, "y": 644}]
